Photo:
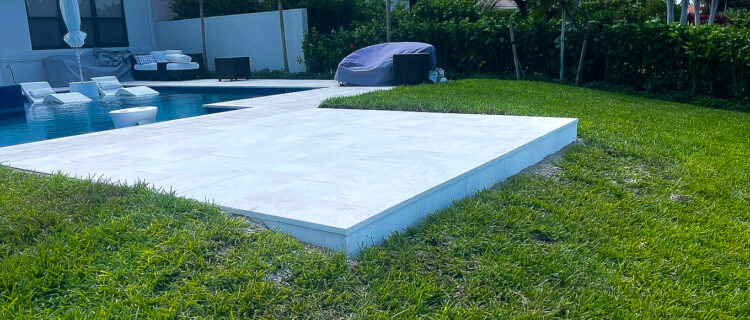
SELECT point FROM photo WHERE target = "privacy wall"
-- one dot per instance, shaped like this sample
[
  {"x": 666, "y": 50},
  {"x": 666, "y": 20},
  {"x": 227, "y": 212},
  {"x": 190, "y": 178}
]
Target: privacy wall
[{"x": 254, "y": 35}]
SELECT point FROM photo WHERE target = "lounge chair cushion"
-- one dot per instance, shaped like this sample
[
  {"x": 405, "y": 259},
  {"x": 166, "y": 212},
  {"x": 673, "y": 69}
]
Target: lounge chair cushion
[
  {"x": 178, "y": 58},
  {"x": 146, "y": 67},
  {"x": 183, "y": 66},
  {"x": 170, "y": 66},
  {"x": 160, "y": 56}
]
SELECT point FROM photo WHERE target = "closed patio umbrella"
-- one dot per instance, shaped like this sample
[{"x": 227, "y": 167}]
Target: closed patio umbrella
[{"x": 75, "y": 38}]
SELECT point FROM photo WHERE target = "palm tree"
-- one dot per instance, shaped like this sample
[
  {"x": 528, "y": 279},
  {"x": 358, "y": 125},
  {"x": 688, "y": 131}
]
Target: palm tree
[
  {"x": 203, "y": 34},
  {"x": 697, "y": 12},
  {"x": 283, "y": 37},
  {"x": 684, "y": 11},
  {"x": 670, "y": 11},
  {"x": 714, "y": 7}
]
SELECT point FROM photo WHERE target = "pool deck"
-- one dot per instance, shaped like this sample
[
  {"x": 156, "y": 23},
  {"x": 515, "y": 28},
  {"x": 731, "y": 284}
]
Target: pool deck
[{"x": 343, "y": 179}]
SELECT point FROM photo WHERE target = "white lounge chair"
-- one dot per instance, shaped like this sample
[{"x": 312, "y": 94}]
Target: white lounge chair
[
  {"x": 110, "y": 86},
  {"x": 42, "y": 92}
]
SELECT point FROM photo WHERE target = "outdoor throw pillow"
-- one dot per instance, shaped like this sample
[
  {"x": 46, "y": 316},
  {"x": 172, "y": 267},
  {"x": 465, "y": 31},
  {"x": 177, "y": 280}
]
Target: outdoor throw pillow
[
  {"x": 159, "y": 56},
  {"x": 144, "y": 59},
  {"x": 178, "y": 58}
]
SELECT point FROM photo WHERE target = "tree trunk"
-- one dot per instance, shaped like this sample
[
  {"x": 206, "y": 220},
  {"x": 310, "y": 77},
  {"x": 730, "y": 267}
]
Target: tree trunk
[
  {"x": 684, "y": 11},
  {"x": 387, "y": 20},
  {"x": 562, "y": 41},
  {"x": 283, "y": 37},
  {"x": 203, "y": 35},
  {"x": 670, "y": 11},
  {"x": 714, "y": 7},
  {"x": 697, "y": 12}
]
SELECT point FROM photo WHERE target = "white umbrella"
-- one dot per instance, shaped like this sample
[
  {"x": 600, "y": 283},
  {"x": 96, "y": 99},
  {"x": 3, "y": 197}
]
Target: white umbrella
[{"x": 75, "y": 37}]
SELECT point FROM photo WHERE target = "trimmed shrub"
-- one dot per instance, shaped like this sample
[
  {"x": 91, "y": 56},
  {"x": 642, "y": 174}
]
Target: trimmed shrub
[{"x": 708, "y": 60}]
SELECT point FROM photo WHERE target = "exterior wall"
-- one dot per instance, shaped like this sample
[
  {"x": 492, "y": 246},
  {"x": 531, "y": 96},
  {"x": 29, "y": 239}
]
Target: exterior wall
[
  {"x": 26, "y": 63},
  {"x": 254, "y": 35}
]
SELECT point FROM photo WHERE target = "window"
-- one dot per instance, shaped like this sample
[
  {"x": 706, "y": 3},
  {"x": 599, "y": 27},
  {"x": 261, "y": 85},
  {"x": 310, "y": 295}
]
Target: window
[{"x": 102, "y": 20}]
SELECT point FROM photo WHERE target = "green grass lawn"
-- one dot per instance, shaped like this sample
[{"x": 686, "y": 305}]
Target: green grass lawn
[{"x": 647, "y": 217}]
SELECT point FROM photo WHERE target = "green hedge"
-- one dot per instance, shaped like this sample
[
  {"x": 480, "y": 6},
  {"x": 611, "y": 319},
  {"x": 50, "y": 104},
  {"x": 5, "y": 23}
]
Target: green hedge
[{"x": 713, "y": 61}]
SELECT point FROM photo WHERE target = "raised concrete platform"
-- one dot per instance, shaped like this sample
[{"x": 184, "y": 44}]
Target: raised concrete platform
[{"x": 336, "y": 178}]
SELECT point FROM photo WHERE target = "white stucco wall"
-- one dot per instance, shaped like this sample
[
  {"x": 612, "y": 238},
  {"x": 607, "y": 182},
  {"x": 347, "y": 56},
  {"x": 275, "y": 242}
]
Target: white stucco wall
[
  {"x": 254, "y": 35},
  {"x": 15, "y": 44}
]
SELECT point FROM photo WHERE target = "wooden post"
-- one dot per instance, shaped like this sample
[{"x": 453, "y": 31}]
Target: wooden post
[
  {"x": 516, "y": 62},
  {"x": 583, "y": 52}
]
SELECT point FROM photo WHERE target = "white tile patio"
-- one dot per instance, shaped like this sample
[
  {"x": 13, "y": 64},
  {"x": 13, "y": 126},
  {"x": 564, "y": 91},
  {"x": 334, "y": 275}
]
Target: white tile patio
[{"x": 336, "y": 178}]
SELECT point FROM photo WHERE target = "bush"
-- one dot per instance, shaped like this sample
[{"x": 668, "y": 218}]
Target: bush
[
  {"x": 738, "y": 17},
  {"x": 708, "y": 60}
]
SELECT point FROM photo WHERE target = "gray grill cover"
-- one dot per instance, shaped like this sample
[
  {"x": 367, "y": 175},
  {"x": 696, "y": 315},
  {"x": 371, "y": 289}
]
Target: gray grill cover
[{"x": 373, "y": 65}]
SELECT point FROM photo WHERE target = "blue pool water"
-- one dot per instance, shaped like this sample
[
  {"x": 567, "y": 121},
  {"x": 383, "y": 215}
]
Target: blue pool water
[{"x": 28, "y": 123}]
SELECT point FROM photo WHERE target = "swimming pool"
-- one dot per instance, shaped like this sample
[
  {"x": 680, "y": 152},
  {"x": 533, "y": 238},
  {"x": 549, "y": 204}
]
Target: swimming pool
[{"x": 28, "y": 123}]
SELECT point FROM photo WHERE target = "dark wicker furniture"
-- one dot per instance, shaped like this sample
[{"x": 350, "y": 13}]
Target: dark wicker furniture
[
  {"x": 162, "y": 74},
  {"x": 232, "y": 68}
]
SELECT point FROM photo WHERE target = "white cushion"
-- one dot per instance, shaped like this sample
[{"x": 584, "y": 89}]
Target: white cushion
[
  {"x": 173, "y": 52},
  {"x": 183, "y": 66},
  {"x": 39, "y": 93},
  {"x": 146, "y": 67},
  {"x": 178, "y": 58}
]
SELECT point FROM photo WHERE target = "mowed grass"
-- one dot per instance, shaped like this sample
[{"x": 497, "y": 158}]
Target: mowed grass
[{"x": 646, "y": 217}]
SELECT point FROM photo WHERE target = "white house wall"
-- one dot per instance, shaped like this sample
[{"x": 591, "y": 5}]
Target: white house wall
[
  {"x": 254, "y": 35},
  {"x": 15, "y": 42}
]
